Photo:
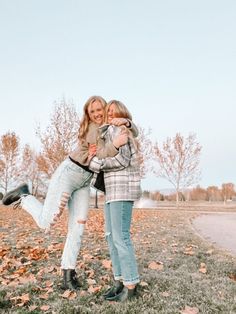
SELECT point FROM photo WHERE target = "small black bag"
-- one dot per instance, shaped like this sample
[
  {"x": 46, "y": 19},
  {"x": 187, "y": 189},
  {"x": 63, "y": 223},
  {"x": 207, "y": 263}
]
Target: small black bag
[{"x": 99, "y": 183}]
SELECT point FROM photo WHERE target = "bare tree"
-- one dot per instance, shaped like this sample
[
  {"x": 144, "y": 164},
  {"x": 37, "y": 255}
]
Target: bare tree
[
  {"x": 29, "y": 169},
  {"x": 178, "y": 160},
  {"x": 145, "y": 150},
  {"x": 9, "y": 157},
  {"x": 58, "y": 138}
]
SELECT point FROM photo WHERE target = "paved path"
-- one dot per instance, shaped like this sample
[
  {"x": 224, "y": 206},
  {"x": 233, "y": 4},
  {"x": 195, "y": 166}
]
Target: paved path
[{"x": 218, "y": 228}]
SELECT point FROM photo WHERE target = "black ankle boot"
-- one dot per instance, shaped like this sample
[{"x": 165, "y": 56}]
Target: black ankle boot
[
  {"x": 126, "y": 294},
  {"x": 114, "y": 290},
  {"x": 15, "y": 195},
  {"x": 70, "y": 281}
]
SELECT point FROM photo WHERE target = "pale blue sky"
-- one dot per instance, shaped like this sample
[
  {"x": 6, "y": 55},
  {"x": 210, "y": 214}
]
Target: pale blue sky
[{"x": 173, "y": 63}]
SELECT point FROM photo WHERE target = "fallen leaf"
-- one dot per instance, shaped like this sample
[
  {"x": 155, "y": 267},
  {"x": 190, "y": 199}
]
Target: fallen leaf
[
  {"x": 44, "y": 296},
  {"x": 32, "y": 308},
  {"x": 209, "y": 252},
  {"x": 232, "y": 276},
  {"x": 44, "y": 307},
  {"x": 165, "y": 294},
  {"x": 190, "y": 310},
  {"x": 24, "y": 298},
  {"x": 143, "y": 284},
  {"x": 156, "y": 265},
  {"x": 68, "y": 294},
  {"x": 202, "y": 268},
  {"x": 93, "y": 289},
  {"x": 91, "y": 281},
  {"x": 106, "y": 263}
]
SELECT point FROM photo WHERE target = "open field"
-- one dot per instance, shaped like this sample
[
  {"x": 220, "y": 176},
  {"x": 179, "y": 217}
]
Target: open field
[{"x": 180, "y": 272}]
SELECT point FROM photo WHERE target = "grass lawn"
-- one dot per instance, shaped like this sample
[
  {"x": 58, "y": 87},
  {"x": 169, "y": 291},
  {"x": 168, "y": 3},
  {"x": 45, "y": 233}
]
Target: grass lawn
[{"x": 180, "y": 272}]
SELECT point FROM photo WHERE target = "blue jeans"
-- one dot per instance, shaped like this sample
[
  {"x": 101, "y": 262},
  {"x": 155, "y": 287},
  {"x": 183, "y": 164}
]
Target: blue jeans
[
  {"x": 68, "y": 187},
  {"x": 117, "y": 230}
]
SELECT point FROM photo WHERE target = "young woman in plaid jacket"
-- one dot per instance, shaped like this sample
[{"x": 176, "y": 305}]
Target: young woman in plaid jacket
[{"x": 122, "y": 188}]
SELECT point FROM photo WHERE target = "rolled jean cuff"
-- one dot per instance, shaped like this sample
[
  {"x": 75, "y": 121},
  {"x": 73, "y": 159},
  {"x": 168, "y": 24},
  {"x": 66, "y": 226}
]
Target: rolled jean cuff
[
  {"x": 118, "y": 278},
  {"x": 131, "y": 282}
]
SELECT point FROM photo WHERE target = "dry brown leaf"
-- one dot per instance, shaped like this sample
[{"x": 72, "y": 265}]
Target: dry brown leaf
[
  {"x": 49, "y": 283},
  {"x": 156, "y": 265},
  {"x": 106, "y": 263},
  {"x": 209, "y": 252},
  {"x": 165, "y": 294},
  {"x": 83, "y": 293},
  {"x": 44, "y": 296},
  {"x": 189, "y": 250},
  {"x": 91, "y": 281},
  {"x": 93, "y": 289},
  {"x": 44, "y": 308},
  {"x": 105, "y": 278},
  {"x": 68, "y": 294},
  {"x": 232, "y": 276},
  {"x": 21, "y": 300},
  {"x": 143, "y": 284},
  {"x": 202, "y": 268},
  {"x": 190, "y": 310},
  {"x": 90, "y": 273},
  {"x": 49, "y": 290},
  {"x": 73, "y": 295}
]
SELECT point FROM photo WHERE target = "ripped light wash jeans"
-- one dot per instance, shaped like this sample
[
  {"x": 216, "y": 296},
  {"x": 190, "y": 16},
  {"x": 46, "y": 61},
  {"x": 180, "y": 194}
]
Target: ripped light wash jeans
[
  {"x": 118, "y": 216},
  {"x": 69, "y": 186}
]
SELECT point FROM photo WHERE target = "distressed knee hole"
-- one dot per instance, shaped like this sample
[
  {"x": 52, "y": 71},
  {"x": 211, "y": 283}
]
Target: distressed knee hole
[
  {"x": 83, "y": 222},
  {"x": 63, "y": 201}
]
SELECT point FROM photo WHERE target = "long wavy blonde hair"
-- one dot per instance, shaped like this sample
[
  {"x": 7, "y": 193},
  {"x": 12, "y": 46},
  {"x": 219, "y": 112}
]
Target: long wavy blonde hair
[
  {"x": 83, "y": 129},
  {"x": 121, "y": 111}
]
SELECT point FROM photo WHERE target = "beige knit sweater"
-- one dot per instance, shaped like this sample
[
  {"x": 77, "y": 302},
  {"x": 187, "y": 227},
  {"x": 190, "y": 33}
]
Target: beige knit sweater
[{"x": 80, "y": 154}]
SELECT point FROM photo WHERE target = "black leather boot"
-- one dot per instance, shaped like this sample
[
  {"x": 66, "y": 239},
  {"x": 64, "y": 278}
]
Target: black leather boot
[
  {"x": 15, "y": 195},
  {"x": 70, "y": 281},
  {"x": 126, "y": 294},
  {"x": 114, "y": 290}
]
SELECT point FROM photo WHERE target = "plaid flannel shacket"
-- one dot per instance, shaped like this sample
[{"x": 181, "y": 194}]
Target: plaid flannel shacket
[{"x": 121, "y": 172}]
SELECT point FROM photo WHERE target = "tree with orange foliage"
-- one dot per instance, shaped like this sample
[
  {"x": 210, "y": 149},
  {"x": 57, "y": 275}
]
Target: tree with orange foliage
[
  {"x": 199, "y": 194},
  {"x": 178, "y": 160},
  {"x": 59, "y": 137},
  {"x": 9, "y": 157},
  {"x": 227, "y": 190},
  {"x": 214, "y": 193}
]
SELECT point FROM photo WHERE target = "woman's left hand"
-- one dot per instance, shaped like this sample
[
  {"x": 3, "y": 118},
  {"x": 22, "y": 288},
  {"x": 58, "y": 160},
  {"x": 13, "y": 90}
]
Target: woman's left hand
[
  {"x": 92, "y": 149},
  {"x": 120, "y": 121}
]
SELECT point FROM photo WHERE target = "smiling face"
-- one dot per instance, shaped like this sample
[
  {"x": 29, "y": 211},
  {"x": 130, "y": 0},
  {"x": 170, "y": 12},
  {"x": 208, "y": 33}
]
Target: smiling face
[
  {"x": 111, "y": 112},
  {"x": 116, "y": 109},
  {"x": 96, "y": 112}
]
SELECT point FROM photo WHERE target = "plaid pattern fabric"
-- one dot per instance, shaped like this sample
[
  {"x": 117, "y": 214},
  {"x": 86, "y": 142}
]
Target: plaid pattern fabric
[{"x": 121, "y": 173}]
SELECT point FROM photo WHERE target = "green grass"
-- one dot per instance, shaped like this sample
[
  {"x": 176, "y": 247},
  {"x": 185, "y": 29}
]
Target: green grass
[{"x": 162, "y": 236}]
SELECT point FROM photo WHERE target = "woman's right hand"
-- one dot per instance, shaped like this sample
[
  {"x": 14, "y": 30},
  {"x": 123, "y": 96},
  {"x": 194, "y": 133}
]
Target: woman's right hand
[{"x": 121, "y": 139}]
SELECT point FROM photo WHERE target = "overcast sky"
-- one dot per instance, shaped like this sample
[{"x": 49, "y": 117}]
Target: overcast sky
[{"x": 173, "y": 63}]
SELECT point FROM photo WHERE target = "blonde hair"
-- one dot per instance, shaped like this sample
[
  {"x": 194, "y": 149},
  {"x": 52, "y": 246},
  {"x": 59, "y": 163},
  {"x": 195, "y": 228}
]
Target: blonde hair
[
  {"x": 121, "y": 111},
  {"x": 83, "y": 129}
]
